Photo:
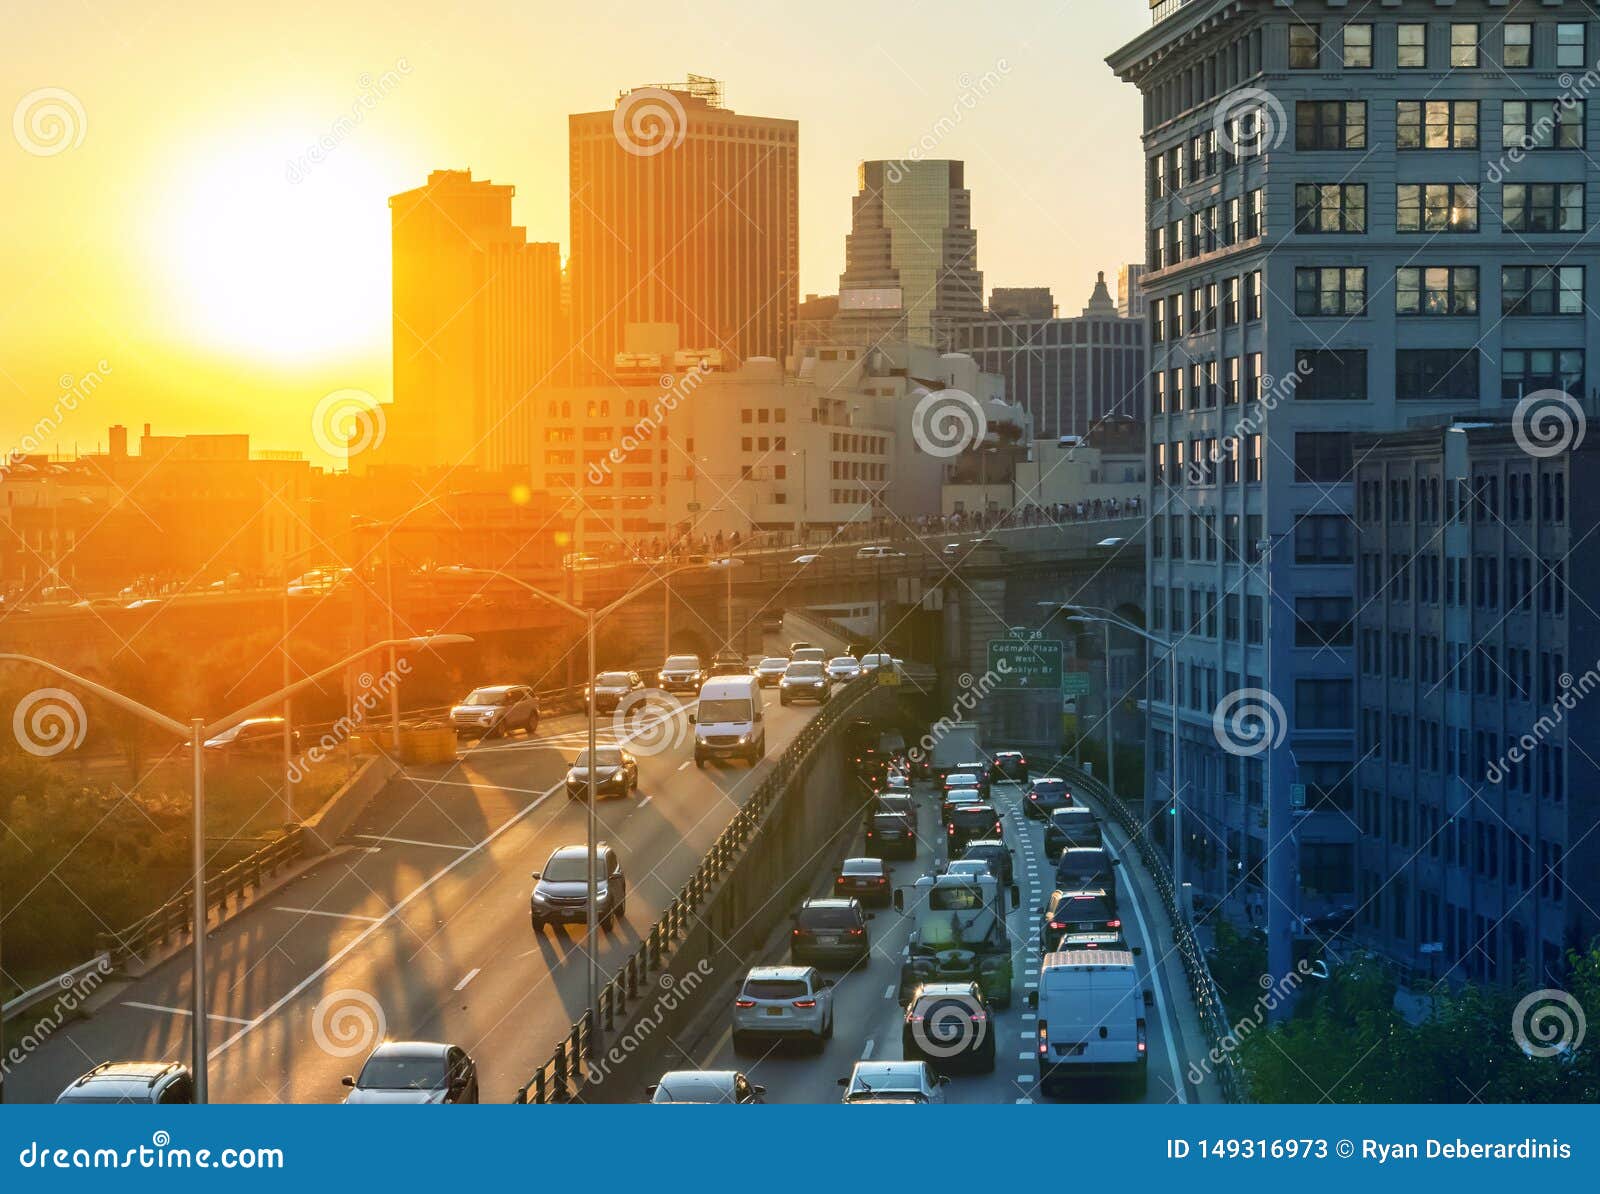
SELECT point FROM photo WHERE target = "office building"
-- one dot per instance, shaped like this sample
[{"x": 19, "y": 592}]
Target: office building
[
  {"x": 911, "y": 257},
  {"x": 1384, "y": 209},
  {"x": 1130, "y": 298},
  {"x": 1022, "y": 302},
  {"x": 683, "y": 212}
]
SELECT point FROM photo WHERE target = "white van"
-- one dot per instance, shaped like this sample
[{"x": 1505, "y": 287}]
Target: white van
[
  {"x": 1091, "y": 1017},
  {"x": 808, "y": 655},
  {"x": 728, "y": 723}
]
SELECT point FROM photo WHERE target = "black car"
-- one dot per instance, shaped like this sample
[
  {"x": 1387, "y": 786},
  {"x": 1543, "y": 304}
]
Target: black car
[
  {"x": 1093, "y": 911},
  {"x": 1009, "y": 764},
  {"x": 829, "y": 931},
  {"x": 1044, "y": 796},
  {"x": 1068, "y": 827},
  {"x": 729, "y": 663},
  {"x": 996, "y": 853},
  {"x": 969, "y": 823},
  {"x": 681, "y": 673},
  {"x": 892, "y": 802},
  {"x": 867, "y": 879},
  {"x": 891, "y": 835},
  {"x": 871, "y": 767},
  {"x": 612, "y": 688},
  {"x": 804, "y": 681},
  {"x": 1085, "y": 866},
  {"x": 955, "y": 799},
  {"x": 949, "y": 1026},
  {"x": 616, "y": 773},
  {"x": 860, "y": 735}
]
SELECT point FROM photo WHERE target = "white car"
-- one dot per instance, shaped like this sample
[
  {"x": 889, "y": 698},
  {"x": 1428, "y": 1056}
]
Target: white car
[
  {"x": 893, "y": 1082},
  {"x": 704, "y": 1086},
  {"x": 783, "y": 1001},
  {"x": 810, "y": 557},
  {"x": 872, "y": 661},
  {"x": 843, "y": 667},
  {"x": 877, "y": 552},
  {"x": 975, "y": 867}
]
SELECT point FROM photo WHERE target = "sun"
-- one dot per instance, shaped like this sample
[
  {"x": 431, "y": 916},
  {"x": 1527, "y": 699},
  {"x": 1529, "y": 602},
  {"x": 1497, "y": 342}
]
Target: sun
[{"x": 273, "y": 256}]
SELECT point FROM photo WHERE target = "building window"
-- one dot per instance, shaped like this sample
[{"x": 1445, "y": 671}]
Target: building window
[
  {"x": 1322, "y": 539},
  {"x": 1525, "y": 371},
  {"x": 1518, "y": 51},
  {"x": 1542, "y": 206},
  {"x": 1569, "y": 44},
  {"x": 1436, "y": 290},
  {"x": 1463, "y": 44},
  {"x": 1230, "y": 301},
  {"x": 1330, "y": 290},
  {"x": 1436, "y": 207},
  {"x": 1358, "y": 47},
  {"x": 1436, "y": 374},
  {"x": 1541, "y": 290},
  {"x": 1541, "y": 124},
  {"x": 1252, "y": 296},
  {"x": 1411, "y": 44},
  {"x": 1323, "y": 704},
  {"x": 1324, "y": 621},
  {"x": 1330, "y": 207},
  {"x": 1436, "y": 124},
  {"x": 1330, "y": 124},
  {"x": 1331, "y": 375},
  {"x": 1322, "y": 457},
  {"x": 1304, "y": 43}
]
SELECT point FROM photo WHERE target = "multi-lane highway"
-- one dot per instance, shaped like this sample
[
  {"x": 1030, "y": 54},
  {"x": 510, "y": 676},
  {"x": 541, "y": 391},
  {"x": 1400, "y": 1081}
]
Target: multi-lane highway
[
  {"x": 868, "y": 1016},
  {"x": 421, "y": 929}
]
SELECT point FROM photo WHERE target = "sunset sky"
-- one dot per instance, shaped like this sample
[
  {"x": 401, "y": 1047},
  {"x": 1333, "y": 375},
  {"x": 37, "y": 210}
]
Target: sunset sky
[{"x": 227, "y": 288}]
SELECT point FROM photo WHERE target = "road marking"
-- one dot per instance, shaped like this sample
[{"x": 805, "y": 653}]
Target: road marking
[
  {"x": 684, "y": 764},
  {"x": 410, "y": 841},
  {"x": 1025, "y": 1078},
  {"x": 1024, "y": 1099},
  {"x": 471, "y": 974},
  {"x": 294, "y": 992},
  {"x": 866, "y": 1050},
  {"x": 644, "y": 802},
  {"x": 888, "y": 992},
  {"x": 184, "y": 1011},
  {"x": 1161, "y": 996},
  {"x": 1024, "y": 1056},
  {"x": 320, "y": 912},
  {"x": 1030, "y": 1015}
]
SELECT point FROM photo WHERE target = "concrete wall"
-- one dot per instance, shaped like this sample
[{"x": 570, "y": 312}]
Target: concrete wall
[{"x": 325, "y": 827}]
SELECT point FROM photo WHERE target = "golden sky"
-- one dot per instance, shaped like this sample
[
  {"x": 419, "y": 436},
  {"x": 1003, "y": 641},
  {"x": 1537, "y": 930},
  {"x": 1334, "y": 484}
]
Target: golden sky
[{"x": 173, "y": 231}]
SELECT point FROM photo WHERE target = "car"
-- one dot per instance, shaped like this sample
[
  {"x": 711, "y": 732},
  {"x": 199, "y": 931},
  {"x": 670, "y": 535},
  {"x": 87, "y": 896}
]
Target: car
[
  {"x": 893, "y": 1082},
  {"x": 681, "y": 673},
  {"x": 612, "y": 688},
  {"x": 1009, "y": 764},
  {"x": 804, "y": 681},
  {"x": 955, "y": 799},
  {"x": 808, "y": 655},
  {"x": 253, "y": 735},
  {"x": 810, "y": 557},
  {"x": 874, "y": 661},
  {"x": 495, "y": 710},
  {"x": 867, "y": 879},
  {"x": 972, "y": 867},
  {"x": 616, "y": 773},
  {"x": 415, "y": 1073},
  {"x": 1079, "y": 867},
  {"x": 1089, "y": 1018},
  {"x": 842, "y": 668},
  {"x": 1069, "y": 827},
  {"x": 994, "y": 852},
  {"x": 1044, "y": 796},
  {"x": 897, "y": 781},
  {"x": 950, "y": 549},
  {"x": 949, "y": 1026},
  {"x": 893, "y": 802},
  {"x": 800, "y": 644},
  {"x": 829, "y": 930},
  {"x": 961, "y": 779},
  {"x": 891, "y": 835},
  {"x": 770, "y": 670},
  {"x": 132, "y": 1082},
  {"x": 783, "y": 1001},
  {"x": 970, "y": 823},
  {"x": 1105, "y": 939},
  {"x": 871, "y": 767},
  {"x": 729, "y": 663},
  {"x": 1091, "y": 911},
  {"x": 730, "y": 721},
  {"x": 704, "y": 1086},
  {"x": 561, "y": 890},
  {"x": 877, "y": 551},
  {"x": 979, "y": 770}
]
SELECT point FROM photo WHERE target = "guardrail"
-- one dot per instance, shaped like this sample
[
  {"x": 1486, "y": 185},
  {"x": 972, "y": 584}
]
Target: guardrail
[
  {"x": 562, "y": 1077},
  {"x": 66, "y": 981},
  {"x": 1230, "y": 1073},
  {"x": 175, "y": 918}
]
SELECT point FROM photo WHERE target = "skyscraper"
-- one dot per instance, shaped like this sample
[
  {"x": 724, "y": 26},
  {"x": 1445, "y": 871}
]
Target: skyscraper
[
  {"x": 683, "y": 213},
  {"x": 477, "y": 325},
  {"x": 911, "y": 257}
]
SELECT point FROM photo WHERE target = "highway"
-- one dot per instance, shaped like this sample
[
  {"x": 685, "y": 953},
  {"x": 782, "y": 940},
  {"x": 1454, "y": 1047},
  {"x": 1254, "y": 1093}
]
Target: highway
[
  {"x": 420, "y": 930},
  {"x": 868, "y": 1017}
]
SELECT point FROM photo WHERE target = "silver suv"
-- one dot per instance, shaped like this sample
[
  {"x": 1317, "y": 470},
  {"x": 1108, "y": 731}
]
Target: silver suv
[
  {"x": 132, "y": 1082},
  {"x": 783, "y": 1001},
  {"x": 561, "y": 890}
]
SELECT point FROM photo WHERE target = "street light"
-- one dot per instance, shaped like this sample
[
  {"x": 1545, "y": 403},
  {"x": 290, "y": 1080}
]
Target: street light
[
  {"x": 198, "y": 731},
  {"x": 727, "y": 564}
]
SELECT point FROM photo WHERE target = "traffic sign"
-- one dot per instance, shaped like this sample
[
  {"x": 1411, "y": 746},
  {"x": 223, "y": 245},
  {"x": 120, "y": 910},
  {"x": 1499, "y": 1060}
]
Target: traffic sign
[
  {"x": 1025, "y": 663},
  {"x": 1075, "y": 683}
]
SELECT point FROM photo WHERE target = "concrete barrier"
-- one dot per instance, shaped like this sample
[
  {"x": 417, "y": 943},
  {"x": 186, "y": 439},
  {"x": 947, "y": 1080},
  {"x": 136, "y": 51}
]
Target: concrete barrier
[{"x": 324, "y": 828}]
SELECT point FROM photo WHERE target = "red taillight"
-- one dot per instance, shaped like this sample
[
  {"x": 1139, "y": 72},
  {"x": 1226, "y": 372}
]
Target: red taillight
[
  {"x": 840, "y": 880},
  {"x": 979, "y": 1018},
  {"x": 801, "y": 933},
  {"x": 951, "y": 830},
  {"x": 883, "y": 882},
  {"x": 1033, "y": 795},
  {"x": 1113, "y": 924},
  {"x": 805, "y": 1003},
  {"x": 1044, "y": 1037},
  {"x": 858, "y": 932},
  {"x": 1055, "y": 925},
  {"x": 744, "y": 1003},
  {"x": 1022, "y": 762}
]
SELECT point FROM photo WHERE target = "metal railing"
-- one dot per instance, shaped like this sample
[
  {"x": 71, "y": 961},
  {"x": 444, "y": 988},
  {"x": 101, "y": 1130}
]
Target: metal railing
[
  {"x": 562, "y": 1077},
  {"x": 1230, "y": 1073}
]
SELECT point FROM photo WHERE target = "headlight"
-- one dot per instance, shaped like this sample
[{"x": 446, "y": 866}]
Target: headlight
[
  {"x": 744, "y": 739},
  {"x": 539, "y": 897}
]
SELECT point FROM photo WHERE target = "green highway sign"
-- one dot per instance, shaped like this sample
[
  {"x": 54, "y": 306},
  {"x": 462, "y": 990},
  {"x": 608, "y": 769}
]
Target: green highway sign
[
  {"x": 1025, "y": 663},
  {"x": 1074, "y": 683}
]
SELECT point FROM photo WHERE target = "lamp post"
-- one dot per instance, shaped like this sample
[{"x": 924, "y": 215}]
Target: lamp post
[{"x": 198, "y": 731}]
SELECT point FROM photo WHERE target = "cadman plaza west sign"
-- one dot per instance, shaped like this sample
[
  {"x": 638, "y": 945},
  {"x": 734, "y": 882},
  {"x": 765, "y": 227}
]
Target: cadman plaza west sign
[{"x": 1026, "y": 660}]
